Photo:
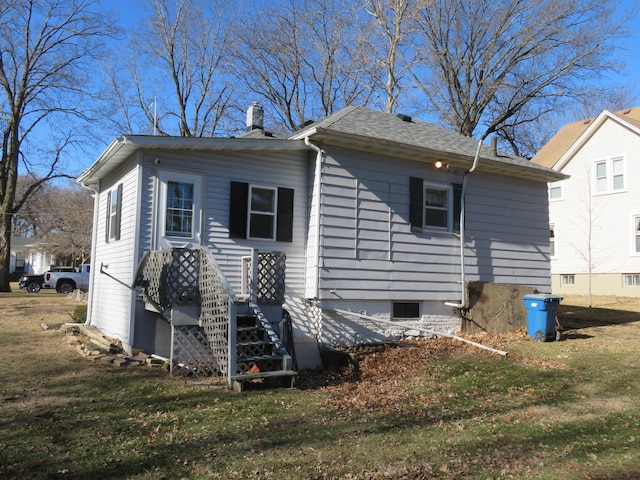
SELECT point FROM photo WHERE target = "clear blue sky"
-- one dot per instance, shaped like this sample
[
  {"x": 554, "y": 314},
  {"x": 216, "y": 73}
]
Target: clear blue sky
[{"x": 128, "y": 12}]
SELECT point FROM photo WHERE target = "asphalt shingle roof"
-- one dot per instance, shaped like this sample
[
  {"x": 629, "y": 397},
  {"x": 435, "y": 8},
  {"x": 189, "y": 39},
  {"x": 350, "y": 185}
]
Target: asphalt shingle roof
[{"x": 375, "y": 128}]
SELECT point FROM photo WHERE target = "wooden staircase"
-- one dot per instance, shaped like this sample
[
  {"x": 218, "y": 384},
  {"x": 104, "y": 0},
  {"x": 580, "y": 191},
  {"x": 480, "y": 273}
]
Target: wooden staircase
[
  {"x": 260, "y": 355},
  {"x": 212, "y": 328}
]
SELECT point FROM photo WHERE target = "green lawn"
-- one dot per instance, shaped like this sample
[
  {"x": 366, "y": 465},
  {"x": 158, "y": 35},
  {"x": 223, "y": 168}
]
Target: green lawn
[{"x": 566, "y": 409}]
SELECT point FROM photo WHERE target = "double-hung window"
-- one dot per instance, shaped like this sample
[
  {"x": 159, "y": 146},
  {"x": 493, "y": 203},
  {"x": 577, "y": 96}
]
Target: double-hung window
[
  {"x": 609, "y": 175},
  {"x": 438, "y": 213},
  {"x": 261, "y": 212},
  {"x": 434, "y": 206},
  {"x": 180, "y": 209},
  {"x": 636, "y": 235},
  {"x": 552, "y": 240},
  {"x": 114, "y": 214}
]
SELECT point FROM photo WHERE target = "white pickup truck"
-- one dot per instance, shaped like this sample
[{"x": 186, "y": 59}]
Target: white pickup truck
[{"x": 67, "y": 282}]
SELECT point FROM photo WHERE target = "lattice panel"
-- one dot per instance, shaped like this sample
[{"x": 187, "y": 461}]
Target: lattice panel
[
  {"x": 190, "y": 350},
  {"x": 170, "y": 277},
  {"x": 271, "y": 278},
  {"x": 214, "y": 311},
  {"x": 183, "y": 274},
  {"x": 151, "y": 276}
]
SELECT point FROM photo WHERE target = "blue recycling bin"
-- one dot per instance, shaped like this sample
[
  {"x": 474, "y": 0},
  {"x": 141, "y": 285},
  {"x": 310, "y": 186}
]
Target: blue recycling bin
[{"x": 541, "y": 316}]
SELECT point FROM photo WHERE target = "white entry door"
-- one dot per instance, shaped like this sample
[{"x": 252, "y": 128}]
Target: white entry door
[{"x": 179, "y": 213}]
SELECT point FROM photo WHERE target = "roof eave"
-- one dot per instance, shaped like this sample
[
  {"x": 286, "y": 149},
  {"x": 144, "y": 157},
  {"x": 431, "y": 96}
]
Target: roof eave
[
  {"x": 125, "y": 146},
  {"x": 422, "y": 154}
]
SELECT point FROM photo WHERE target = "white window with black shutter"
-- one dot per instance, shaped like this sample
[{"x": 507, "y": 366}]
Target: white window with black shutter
[
  {"x": 260, "y": 212},
  {"x": 434, "y": 206},
  {"x": 114, "y": 214}
]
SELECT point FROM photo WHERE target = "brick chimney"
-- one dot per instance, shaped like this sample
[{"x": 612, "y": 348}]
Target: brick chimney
[{"x": 255, "y": 117}]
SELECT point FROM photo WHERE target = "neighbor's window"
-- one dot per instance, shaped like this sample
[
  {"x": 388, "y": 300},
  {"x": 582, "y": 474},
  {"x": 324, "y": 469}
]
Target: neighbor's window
[
  {"x": 609, "y": 175},
  {"x": 555, "y": 190},
  {"x": 438, "y": 211},
  {"x": 632, "y": 280},
  {"x": 406, "y": 311},
  {"x": 552, "y": 240},
  {"x": 568, "y": 279},
  {"x": 114, "y": 213},
  {"x": 262, "y": 212},
  {"x": 179, "y": 213},
  {"x": 636, "y": 234}
]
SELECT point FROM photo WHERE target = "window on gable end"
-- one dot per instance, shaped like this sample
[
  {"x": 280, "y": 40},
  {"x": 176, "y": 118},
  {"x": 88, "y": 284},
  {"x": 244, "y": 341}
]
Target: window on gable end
[
  {"x": 114, "y": 214},
  {"x": 609, "y": 176}
]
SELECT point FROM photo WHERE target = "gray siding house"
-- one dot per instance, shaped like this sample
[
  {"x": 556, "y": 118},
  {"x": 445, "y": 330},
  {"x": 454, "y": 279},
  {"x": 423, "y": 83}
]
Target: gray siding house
[{"x": 382, "y": 220}]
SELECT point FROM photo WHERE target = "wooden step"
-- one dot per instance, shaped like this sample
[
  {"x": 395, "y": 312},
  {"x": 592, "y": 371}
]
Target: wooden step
[
  {"x": 259, "y": 343},
  {"x": 239, "y": 380},
  {"x": 259, "y": 358}
]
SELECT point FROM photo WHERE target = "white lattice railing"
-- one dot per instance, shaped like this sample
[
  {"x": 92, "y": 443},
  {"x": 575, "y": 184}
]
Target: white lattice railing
[
  {"x": 218, "y": 307},
  {"x": 186, "y": 277}
]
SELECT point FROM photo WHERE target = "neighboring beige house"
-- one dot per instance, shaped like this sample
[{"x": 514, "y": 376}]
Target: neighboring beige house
[{"x": 594, "y": 215}]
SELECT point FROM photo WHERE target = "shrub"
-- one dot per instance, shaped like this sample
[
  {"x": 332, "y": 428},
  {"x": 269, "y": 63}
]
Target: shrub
[{"x": 80, "y": 314}]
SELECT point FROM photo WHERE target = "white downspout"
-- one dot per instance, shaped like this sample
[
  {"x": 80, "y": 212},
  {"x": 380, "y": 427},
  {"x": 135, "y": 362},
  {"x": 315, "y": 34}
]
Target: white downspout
[
  {"x": 463, "y": 192},
  {"x": 94, "y": 236},
  {"x": 317, "y": 178}
]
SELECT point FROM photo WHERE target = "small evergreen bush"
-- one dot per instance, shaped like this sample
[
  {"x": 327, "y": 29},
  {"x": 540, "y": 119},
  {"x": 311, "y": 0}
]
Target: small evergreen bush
[{"x": 80, "y": 314}]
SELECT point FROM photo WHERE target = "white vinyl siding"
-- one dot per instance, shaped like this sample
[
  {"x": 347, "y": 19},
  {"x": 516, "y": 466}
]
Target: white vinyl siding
[
  {"x": 608, "y": 219},
  {"x": 112, "y": 301}
]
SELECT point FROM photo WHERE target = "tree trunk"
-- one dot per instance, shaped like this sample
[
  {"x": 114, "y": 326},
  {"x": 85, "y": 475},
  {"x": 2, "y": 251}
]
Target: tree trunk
[
  {"x": 8, "y": 179},
  {"x": 5, "y": 251}
]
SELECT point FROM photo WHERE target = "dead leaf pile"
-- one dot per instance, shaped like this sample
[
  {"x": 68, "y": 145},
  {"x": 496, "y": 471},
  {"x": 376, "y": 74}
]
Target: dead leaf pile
[{"x": 388, "y": 372}]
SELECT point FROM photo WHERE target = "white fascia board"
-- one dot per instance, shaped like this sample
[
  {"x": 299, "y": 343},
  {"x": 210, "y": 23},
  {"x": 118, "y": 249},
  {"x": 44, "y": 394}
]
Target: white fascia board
[{"x": 123, "y": 147}]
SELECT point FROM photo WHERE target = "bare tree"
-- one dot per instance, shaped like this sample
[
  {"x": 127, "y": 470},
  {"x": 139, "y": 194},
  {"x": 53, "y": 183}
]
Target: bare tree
[
  {"x": 46, "y": 49},
  {"x": 59, "y": 216},
  {"x": 484, "y": 61},
  {"x": 395, "y": 21},
  {"x": 306, "y": 59},
  {"x": 68, "y": 222},
  {"x": 176, "y": 80},
  {"x": 29, "y": 221}
]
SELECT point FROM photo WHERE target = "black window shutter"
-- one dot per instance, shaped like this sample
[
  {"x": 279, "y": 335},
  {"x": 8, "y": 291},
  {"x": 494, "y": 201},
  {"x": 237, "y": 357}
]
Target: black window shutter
[
  {"x": 416, "y": 204},
  {"x": 457, "y": 206},
  {"x": 284, "y": 228},
  {"x": 118, "y": 211},
  {"x": 238, "y": 209},
  {"x": 108, "y": 218}
]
